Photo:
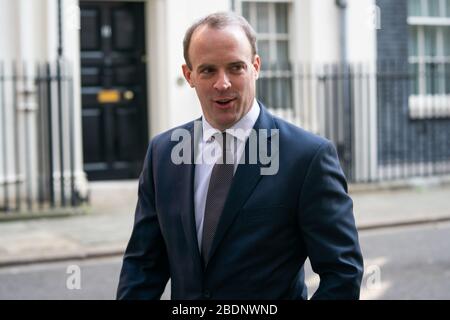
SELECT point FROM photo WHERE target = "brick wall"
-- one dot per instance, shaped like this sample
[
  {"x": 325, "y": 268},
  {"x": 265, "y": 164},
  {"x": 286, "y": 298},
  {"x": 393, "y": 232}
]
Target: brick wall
[{"x": 400, "y": 138}]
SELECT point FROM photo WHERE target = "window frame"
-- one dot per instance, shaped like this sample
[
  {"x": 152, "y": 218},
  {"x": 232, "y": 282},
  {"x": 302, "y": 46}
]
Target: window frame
[
  {"x": 272, "y": 37},
  {"x": 421, "y": 103}
]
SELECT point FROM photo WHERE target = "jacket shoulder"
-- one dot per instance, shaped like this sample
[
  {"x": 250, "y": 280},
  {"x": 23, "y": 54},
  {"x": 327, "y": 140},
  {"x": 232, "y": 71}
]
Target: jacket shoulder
[{"x": 165, "y": 138}]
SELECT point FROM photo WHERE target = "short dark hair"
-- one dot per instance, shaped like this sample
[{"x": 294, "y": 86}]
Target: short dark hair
[{"x": 219, "y": 20}]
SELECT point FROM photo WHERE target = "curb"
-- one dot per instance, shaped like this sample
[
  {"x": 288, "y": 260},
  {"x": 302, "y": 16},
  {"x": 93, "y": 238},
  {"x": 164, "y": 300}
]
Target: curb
[
  {"x": 118, "y": 250},
  {"x": 406, "y": 184},
  {"x": 46, "y": 213},
  {"x": 401, "y": 223},
  {"x": 90, "y": 253}
]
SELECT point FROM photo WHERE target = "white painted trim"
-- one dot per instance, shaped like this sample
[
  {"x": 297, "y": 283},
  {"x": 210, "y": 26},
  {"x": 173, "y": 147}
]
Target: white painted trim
[
  {"x": 156, "y": 52},
  {"x": 429, "y": 21},
  {"x": 238, "y": 2},
  {"x": 429, "y": 106},
  {"x": 365, "y": 120}
]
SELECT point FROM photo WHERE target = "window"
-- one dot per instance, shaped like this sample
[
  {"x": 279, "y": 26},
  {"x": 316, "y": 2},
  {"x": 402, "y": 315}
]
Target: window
[
  {"x": 429, "y": 8},
  {"x": 429, "y": 53},
  {"x": 271, "y": 23}
]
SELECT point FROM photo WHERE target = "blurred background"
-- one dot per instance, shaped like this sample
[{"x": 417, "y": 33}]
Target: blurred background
[{"x": 84, "y": 85}]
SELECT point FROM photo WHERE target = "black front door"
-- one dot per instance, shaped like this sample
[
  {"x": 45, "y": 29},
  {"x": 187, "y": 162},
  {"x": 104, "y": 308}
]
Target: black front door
[{"x": 113, "y": 81}]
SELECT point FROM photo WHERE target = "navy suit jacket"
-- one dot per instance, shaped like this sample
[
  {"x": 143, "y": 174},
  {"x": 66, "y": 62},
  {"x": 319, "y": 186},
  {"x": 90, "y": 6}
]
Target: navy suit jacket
[{"x": 270, "y": 224}]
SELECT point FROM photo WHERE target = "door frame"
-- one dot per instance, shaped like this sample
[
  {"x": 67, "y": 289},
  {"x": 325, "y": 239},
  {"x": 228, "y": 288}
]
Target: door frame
[
  {"x": 156, "y": 42},
  {"x": 146, "y": 86}
]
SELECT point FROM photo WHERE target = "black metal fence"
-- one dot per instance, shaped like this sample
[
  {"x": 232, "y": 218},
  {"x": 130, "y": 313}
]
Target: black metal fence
[
  {"x": 37, "y": 164},
  {"x": 389, "y": 120}
]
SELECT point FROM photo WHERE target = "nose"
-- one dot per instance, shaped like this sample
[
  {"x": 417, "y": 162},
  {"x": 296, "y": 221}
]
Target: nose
[{"x": 222, "y": 82}]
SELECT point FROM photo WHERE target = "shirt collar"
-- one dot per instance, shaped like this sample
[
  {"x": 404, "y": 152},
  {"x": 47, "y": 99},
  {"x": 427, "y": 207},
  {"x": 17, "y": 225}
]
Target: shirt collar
[{"x": 240, "y": 130}]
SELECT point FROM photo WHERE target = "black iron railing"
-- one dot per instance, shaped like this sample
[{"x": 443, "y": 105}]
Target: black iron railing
[
  {"x": 37, "y": 147},
  {"x": 389, "y": 120}
]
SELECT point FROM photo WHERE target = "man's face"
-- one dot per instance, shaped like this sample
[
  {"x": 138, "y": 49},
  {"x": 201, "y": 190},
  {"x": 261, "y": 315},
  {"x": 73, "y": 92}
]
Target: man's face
[{"x": 223, "y": 73}]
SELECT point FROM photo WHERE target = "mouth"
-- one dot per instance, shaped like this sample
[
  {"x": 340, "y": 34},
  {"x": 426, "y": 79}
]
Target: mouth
[{"x": 224, "y": 103}]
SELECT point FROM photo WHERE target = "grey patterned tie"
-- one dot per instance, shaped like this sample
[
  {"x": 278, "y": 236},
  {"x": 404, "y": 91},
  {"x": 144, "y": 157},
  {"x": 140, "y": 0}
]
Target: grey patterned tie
[{"x": 219, "y": 185}]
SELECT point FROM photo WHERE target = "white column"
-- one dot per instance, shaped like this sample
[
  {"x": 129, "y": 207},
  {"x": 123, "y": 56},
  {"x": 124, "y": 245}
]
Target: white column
[
  {"x": 71, "y": 34},
  {"x": 363, "y": 18},
  {"x": 71, "y": 54},
  {"x": 9, "y": 13},
  {"x": 157, "y": 66}
]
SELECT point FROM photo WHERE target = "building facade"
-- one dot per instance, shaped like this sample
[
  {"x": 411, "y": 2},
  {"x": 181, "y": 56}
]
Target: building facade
[{"x": 322, "y": 68}]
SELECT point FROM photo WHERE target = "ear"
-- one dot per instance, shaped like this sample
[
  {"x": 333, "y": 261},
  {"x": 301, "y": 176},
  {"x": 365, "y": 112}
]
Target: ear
[
  {"x": 256, "y": 65},
  {"x": 187, "y": 74}
]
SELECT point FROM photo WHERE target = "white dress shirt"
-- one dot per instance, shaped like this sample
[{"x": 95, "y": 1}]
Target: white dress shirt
[{"x": 210, "y": 151}]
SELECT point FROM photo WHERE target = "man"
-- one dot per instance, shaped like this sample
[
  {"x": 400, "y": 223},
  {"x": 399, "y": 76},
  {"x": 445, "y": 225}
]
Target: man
[{"x": 222, "y": 229}]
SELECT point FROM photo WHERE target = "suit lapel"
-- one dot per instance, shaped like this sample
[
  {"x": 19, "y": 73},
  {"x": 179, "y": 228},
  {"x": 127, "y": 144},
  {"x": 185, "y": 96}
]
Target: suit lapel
[
  {"x": 244, "y": 182},
  {"x": 185, "y": 188}
]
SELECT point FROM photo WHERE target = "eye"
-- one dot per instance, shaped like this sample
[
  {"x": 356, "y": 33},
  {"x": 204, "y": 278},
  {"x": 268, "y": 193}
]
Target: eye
[
  {"x": 237, "y": 68},
  {"x": 206, "y": 71}
]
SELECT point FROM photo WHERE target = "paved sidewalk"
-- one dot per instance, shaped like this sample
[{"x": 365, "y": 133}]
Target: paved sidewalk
[
  {"x": 383, "y": 208},
  {"x": 106, "y": 230}
]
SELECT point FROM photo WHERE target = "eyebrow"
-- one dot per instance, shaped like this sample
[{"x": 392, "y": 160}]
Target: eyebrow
[
  {"x": 236, "y": 62},
  {"x": 207, "y": 65}
]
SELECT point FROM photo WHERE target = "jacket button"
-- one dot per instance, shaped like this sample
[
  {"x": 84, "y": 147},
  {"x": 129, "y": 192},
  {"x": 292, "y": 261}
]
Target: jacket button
[{"x": 207, "y": 294}]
